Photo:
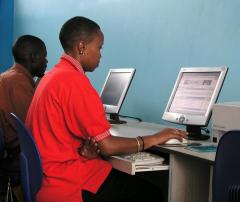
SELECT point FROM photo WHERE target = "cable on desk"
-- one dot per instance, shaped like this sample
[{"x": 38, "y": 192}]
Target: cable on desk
[
  {"x": 131, "y": 117},
  {"x": 205, "y": 130}
]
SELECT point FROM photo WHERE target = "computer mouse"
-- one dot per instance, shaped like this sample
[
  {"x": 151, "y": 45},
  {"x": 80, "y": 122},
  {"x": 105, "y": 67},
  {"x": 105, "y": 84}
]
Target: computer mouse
[{"x": 176, "y": 141}]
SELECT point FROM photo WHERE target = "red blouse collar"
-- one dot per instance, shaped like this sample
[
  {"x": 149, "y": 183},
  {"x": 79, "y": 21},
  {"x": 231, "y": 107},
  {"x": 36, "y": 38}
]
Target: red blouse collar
[{"x": 73, "y": 61}]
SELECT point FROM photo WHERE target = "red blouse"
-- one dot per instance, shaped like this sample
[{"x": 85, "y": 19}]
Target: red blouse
[{"x": 65, "y": 110}]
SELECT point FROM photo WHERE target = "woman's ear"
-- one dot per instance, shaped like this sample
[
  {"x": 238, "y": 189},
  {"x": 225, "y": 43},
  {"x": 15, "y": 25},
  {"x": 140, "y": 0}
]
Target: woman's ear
[{"x": 81, "y": 48}]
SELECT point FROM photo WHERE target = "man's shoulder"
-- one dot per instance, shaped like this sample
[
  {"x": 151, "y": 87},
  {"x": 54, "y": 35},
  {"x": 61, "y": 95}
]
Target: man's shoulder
[
  {"x": 9, "y": 76},
  {"x": 12, "y": 76},
  {"x": 12, "y": 71}
]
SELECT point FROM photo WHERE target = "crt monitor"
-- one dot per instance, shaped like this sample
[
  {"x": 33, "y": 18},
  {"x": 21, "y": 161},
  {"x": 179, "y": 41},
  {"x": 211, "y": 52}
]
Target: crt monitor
[
  {"x": 195, "y": 91},
  {"x": 114, "y": 91}
]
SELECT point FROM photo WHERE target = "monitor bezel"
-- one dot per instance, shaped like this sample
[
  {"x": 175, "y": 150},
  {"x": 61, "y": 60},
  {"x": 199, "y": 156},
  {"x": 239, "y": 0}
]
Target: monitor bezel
[
  {"x": 114, "y": 109},
  {"x": 187, "y": 119}
]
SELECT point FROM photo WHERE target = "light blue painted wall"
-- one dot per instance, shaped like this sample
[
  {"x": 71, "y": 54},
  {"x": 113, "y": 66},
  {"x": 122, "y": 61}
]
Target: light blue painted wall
[
  {"x": 6, "y": 34},
  {"x": 156, "y": 37}
]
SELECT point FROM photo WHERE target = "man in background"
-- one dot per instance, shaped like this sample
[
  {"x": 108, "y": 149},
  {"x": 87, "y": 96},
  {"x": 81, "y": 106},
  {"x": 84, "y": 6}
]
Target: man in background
[{"x": 16, "y": 92}]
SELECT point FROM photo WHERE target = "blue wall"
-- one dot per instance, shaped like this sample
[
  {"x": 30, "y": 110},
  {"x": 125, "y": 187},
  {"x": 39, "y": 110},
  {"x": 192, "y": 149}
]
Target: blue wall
[
  {"x": 156, "y": 37},
  {"x": 6, "y": 33}
]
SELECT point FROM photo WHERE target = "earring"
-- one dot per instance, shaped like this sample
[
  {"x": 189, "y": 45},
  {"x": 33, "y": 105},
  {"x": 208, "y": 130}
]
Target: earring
[{"x": 81, "y": 52}]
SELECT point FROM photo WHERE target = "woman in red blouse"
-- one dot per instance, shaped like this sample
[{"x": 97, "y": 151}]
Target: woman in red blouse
[{"x": 65, "y": 111}]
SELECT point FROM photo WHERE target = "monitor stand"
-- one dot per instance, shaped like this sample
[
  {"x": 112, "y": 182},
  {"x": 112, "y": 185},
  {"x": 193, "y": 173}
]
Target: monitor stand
[
  {"x": 194, "y": 133},
  {"x": 114, "y": 119}
]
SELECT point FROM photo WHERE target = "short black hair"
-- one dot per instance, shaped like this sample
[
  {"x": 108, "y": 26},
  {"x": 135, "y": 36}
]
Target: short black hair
[
  {"x": 27, "y": 46},
  {"x": 75, "y": 29}
]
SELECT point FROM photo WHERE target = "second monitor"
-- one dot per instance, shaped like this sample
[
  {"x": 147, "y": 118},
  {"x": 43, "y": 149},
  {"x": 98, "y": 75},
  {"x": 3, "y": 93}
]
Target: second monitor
[
  {"x": 114, "y": 91},
  {"x": 192, "y": 98}
]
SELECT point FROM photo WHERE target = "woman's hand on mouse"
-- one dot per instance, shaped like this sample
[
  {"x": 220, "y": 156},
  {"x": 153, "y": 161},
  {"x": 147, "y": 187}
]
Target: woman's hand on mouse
[
  {"x": 163, "y": 136},
  {"x": 170, "y": 133}
]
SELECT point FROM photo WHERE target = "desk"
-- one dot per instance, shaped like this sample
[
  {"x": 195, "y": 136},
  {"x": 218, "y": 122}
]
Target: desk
[{"x": 190, "y": 173}]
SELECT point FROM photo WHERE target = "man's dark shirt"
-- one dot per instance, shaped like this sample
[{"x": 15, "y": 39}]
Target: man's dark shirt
[{"x": 16, "y": 92}]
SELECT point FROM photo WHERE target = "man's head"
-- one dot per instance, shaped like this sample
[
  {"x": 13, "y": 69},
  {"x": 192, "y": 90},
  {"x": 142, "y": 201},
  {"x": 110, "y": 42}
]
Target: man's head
[
  {"x": 82, "y": 39},
  {"x": 30, "y": 51}
]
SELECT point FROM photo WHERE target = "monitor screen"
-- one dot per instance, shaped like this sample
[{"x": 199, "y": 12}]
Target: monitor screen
[
  {"x": 194, "y": 93},
  {"x": 114, "y": 90}
]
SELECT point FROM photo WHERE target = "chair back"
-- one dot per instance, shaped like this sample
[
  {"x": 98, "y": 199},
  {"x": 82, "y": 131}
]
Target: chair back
[
  {"x": 31, "y": 167},
  {"x": 2, "y": 144},
  {"x": 226, "y": 173}
]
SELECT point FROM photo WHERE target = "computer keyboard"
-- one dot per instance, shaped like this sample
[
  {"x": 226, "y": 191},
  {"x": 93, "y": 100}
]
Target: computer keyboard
[
  {"x": 143, "y": 158},
  {"x": 138, "y": 162}
]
